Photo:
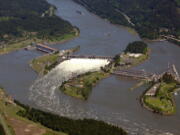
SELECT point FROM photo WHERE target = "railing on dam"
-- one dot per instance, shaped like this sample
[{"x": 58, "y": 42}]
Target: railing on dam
[
  {"x": 90, "y": 57},
  {"x": 133, "y": 74}
]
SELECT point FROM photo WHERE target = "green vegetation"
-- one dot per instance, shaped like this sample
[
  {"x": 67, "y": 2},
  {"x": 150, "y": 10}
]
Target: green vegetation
[
  {"x": 24, "y": 22},
  {"x": 70, "y": 126},
  {"x": 7, "y": 129},
  {"x": 137, "y": 47},
  {"x": 163, "y": 101},
  {"x": 151, "y": 18},
  {"x": 54, "y": 133},
  {"x": 81, "y": 86},
  {"x": 117, "y": 60},
  {"x": 44, "y": 64},
  {"x": 178, "y": 2},
  {"x": 129, "y": 61},
  {"x": 9, "y": 120},
  {"x": 2, "y": 130}
]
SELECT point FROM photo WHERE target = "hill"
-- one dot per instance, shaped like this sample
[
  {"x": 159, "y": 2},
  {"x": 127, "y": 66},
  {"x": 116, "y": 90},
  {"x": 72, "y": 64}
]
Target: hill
[
  {"x": 23, "y": 20},
  {"x": 151, "y": 18}
]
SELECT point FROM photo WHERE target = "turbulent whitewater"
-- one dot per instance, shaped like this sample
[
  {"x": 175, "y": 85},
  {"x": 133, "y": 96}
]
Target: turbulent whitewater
[{"x": 44, "y": 88}]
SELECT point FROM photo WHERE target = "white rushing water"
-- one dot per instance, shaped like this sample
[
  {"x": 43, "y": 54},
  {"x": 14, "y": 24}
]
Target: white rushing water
[
  {"x": 111, "y": 100},
  {"x": 80, "y": 66},
  {"x": 43, "y": 89}
]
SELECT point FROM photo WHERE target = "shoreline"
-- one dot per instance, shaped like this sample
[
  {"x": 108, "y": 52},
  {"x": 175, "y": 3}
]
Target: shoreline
[
  {"x": 129, "y": 29},
  {"x": 143, "y": 104},
  {"x": 23, "y": 44},
  {"x": 81, "y": 80},
  {"x": 71, "y": 87},
  {"x": 154, "y": 110},
  {"x": 77, "y": 33},
  {"x": 12, "y": 112},
  {"x": 42, "y": 64}
]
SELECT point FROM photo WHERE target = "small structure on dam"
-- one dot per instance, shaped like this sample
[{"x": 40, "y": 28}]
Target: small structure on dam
[{"x": 45, "y": 48}]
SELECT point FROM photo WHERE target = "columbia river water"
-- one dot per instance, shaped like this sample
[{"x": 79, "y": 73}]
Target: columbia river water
[{"x": 111, "y": 100}]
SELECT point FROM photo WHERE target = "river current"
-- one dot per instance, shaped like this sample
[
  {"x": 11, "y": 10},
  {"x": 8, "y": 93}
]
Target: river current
[{"x": 111, "y": 100}]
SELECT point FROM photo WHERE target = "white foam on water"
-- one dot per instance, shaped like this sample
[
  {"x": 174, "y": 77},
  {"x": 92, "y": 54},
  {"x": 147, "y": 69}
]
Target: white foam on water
[
  {"x": 45, "y": 94},
  {"x": 43, "y": 90}
]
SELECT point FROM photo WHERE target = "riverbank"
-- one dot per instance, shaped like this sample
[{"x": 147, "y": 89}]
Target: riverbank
[
  {"x": 163, "y": 103},
  {"x": 22, "y": 120},
  {"x": 122, "y": 15},
  {"x": 159, "y": 96},
  {"x": 13, "y": 124},
  {"x": 21, "y": 43},
  {"x": 81, "y": 86},
  {"x": 70, "y": 126},
  {"x": 43, "y": 64}
]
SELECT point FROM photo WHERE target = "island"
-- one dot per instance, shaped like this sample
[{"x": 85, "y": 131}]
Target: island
[
  {"x": 24, "y": 23},
  {"x": 81, "y": 85},
  {"x": 43, "y": 64},
  {"x": 159, "y": 96},
  {"x": 19, "y": 119}
]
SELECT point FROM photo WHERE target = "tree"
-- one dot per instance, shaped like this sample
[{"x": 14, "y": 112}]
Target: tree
[{"x": 137, "y": 47}]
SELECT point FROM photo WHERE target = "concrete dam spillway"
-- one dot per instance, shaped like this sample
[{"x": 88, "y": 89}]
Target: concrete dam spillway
[
  {"x": 43, "y": 90},
  {"x": 111, "y": 100}
]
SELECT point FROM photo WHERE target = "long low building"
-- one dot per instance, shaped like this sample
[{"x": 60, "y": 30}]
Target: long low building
[{"x": 45, "y": 48}]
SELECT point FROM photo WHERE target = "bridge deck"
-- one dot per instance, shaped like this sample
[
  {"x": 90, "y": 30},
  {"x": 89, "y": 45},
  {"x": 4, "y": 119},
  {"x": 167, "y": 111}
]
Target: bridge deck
[
  {"x": 90, "y": 57},
  {"x": 134, "y": 74}
]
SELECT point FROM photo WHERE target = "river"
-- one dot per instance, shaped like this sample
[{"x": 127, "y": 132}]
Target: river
[{"x": 111, "y": 100}]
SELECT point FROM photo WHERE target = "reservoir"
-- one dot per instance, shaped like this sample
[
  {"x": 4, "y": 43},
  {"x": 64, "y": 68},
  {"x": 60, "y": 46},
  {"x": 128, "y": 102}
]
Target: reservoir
[{"x": 111, "y": 100}]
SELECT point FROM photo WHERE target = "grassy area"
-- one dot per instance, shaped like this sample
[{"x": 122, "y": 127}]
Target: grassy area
[
  {"x": 140, "y": 59},
  {"x": 178, "y": 2},
  {"x": 44, "y": 63},
  {"x": 163, "y": 101},
  {"x": 125, "y": 58},
  {"x": 81, "y": 86},
  {"x": 16, "y": 45},
  {"x": 2, "y": 130},
  {"x": 13, "y": 124},
  {"x": 53, "y": 133},
  {"x": 5, "y": 18},
  {"x": 65, "y": 37},
  {"x": 7, "y": 129},
  {"x": 163, "y": 106},
  {"x": 20, "y": 43}
]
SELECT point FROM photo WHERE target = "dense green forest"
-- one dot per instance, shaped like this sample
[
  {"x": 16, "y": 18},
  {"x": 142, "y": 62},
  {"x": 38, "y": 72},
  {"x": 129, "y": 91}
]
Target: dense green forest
[
  {"x": 137, "y": 47},
  {"x": 2, "y": 132},
  {"x": 70, "y": 126},
  {"x": 30, "y": 18},
  {"x": 149, "y": 17}
]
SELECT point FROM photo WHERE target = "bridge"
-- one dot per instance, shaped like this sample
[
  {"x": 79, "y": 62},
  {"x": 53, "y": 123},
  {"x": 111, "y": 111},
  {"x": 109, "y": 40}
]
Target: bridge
[
  {"x": 89, "y": 57},
  {"x": 146, "y": 75},
  {"x": 134, "y": 74}
]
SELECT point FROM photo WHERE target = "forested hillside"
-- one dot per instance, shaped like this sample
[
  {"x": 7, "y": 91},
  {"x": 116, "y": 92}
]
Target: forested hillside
[
  {"x": 24, "y": 19},
  {"x": 150, "y": 17}
]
